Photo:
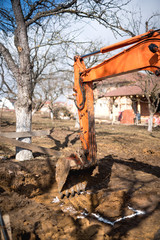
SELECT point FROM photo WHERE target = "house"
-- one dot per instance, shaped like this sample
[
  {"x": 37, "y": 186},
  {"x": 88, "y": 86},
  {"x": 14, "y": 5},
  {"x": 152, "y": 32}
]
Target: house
[
  {"x": 123, "y": 96},
  {"x": 128, "y": 100},
  {"x": 103, "y": 104}
]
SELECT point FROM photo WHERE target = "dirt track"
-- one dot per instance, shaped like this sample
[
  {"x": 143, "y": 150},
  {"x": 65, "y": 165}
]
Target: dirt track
[{"x": 122, "y": 199}]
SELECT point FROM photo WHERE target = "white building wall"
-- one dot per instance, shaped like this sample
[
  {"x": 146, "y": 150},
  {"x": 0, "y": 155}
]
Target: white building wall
[{"x": 101, "y": 108}]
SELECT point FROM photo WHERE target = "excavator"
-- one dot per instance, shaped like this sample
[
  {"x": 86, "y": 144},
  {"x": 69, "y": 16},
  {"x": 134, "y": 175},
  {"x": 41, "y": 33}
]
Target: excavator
[{"x": 143, "y": 54}]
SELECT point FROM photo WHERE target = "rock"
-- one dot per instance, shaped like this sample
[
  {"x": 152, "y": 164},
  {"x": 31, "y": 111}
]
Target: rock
[
  {"x": 145, "y": 201},
  {"x": 112, "y": 205},
  {"x": 88, "y": 202}
]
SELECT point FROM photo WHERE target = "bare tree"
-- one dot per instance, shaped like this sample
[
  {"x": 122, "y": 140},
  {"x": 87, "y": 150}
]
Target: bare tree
[
  {"x": 150, "y": 86},
  {"x": 21, "y": 16},
  {"x": 53, "y": 69},
  {"x": 49, "y": 87},
  {"x": 132, "y": 23}
]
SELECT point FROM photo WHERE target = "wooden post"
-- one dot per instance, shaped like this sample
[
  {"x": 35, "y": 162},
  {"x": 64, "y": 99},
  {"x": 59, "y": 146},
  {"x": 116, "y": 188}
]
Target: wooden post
[
  {"x": 139, "y": 106},
  {"x": 30, "y": 146}
]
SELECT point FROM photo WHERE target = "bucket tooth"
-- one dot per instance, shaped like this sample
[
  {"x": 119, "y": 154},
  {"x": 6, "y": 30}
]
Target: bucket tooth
[
  {"x": 67, "y": 193},
  {"x": 72, "y": 192},
  {"x": 83, "y": 187},
  {"x": 78, "y": 189},
  {"x": 61, "y": 195}
]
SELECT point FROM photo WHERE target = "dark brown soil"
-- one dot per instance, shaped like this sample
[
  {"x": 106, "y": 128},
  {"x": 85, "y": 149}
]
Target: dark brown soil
[{"x": 122, "y": 198}]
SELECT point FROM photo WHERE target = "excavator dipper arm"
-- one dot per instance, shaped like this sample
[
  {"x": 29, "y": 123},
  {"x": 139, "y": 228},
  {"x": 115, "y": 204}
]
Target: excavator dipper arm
[{"x": 143, "y": 54}]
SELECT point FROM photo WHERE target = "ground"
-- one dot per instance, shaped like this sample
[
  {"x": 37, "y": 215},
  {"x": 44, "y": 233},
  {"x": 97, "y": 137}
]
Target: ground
[{"x": 122, "y": 198}]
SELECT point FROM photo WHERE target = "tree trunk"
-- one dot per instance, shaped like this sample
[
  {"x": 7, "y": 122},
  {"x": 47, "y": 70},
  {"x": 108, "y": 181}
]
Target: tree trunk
[
  {"x": 23, "y": 121},
  {"x": 23, "y": 108},
  {"x": 150, "y": 122},
  {"x": 51, "y": 115},
  {"x": 152, "y": 110},
  {"x": 24, "y": 81},
  {"x": 22, "y": 125}
]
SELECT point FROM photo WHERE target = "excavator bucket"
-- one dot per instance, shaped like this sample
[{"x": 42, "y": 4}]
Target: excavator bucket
[{"x": 71, "y": 175}]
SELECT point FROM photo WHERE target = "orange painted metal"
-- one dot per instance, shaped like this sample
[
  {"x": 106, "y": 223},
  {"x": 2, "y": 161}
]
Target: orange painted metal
[
  {"x": 85, "y": 105},
  {"x": 138, "y": 57},
  {"x": 129, "y": 41},
  {"x": 135, "y": 58}
]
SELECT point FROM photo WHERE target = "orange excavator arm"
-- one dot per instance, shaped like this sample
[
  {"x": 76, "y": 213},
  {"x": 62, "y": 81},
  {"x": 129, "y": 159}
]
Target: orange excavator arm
[{"x": 144, "y": 54}]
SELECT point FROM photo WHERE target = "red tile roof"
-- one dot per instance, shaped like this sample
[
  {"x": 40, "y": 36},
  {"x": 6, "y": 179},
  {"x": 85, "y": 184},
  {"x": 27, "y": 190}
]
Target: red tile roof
[
  {"x": 125, "y": 91},
  {"x": 126, "y": 78}
]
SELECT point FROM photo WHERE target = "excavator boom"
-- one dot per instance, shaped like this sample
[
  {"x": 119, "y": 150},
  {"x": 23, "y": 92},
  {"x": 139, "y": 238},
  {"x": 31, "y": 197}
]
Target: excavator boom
[{"x": 143, "y": 54}]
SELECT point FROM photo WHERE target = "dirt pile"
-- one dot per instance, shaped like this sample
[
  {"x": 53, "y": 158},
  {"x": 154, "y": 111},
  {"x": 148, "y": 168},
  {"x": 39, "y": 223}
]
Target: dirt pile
[{"x": 122, "y": 197}]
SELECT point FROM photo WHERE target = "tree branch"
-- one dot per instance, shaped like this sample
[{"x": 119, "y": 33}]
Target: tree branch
[
  {"x": 51, "y": 12},
  {"x": 9, "y": 60}
]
